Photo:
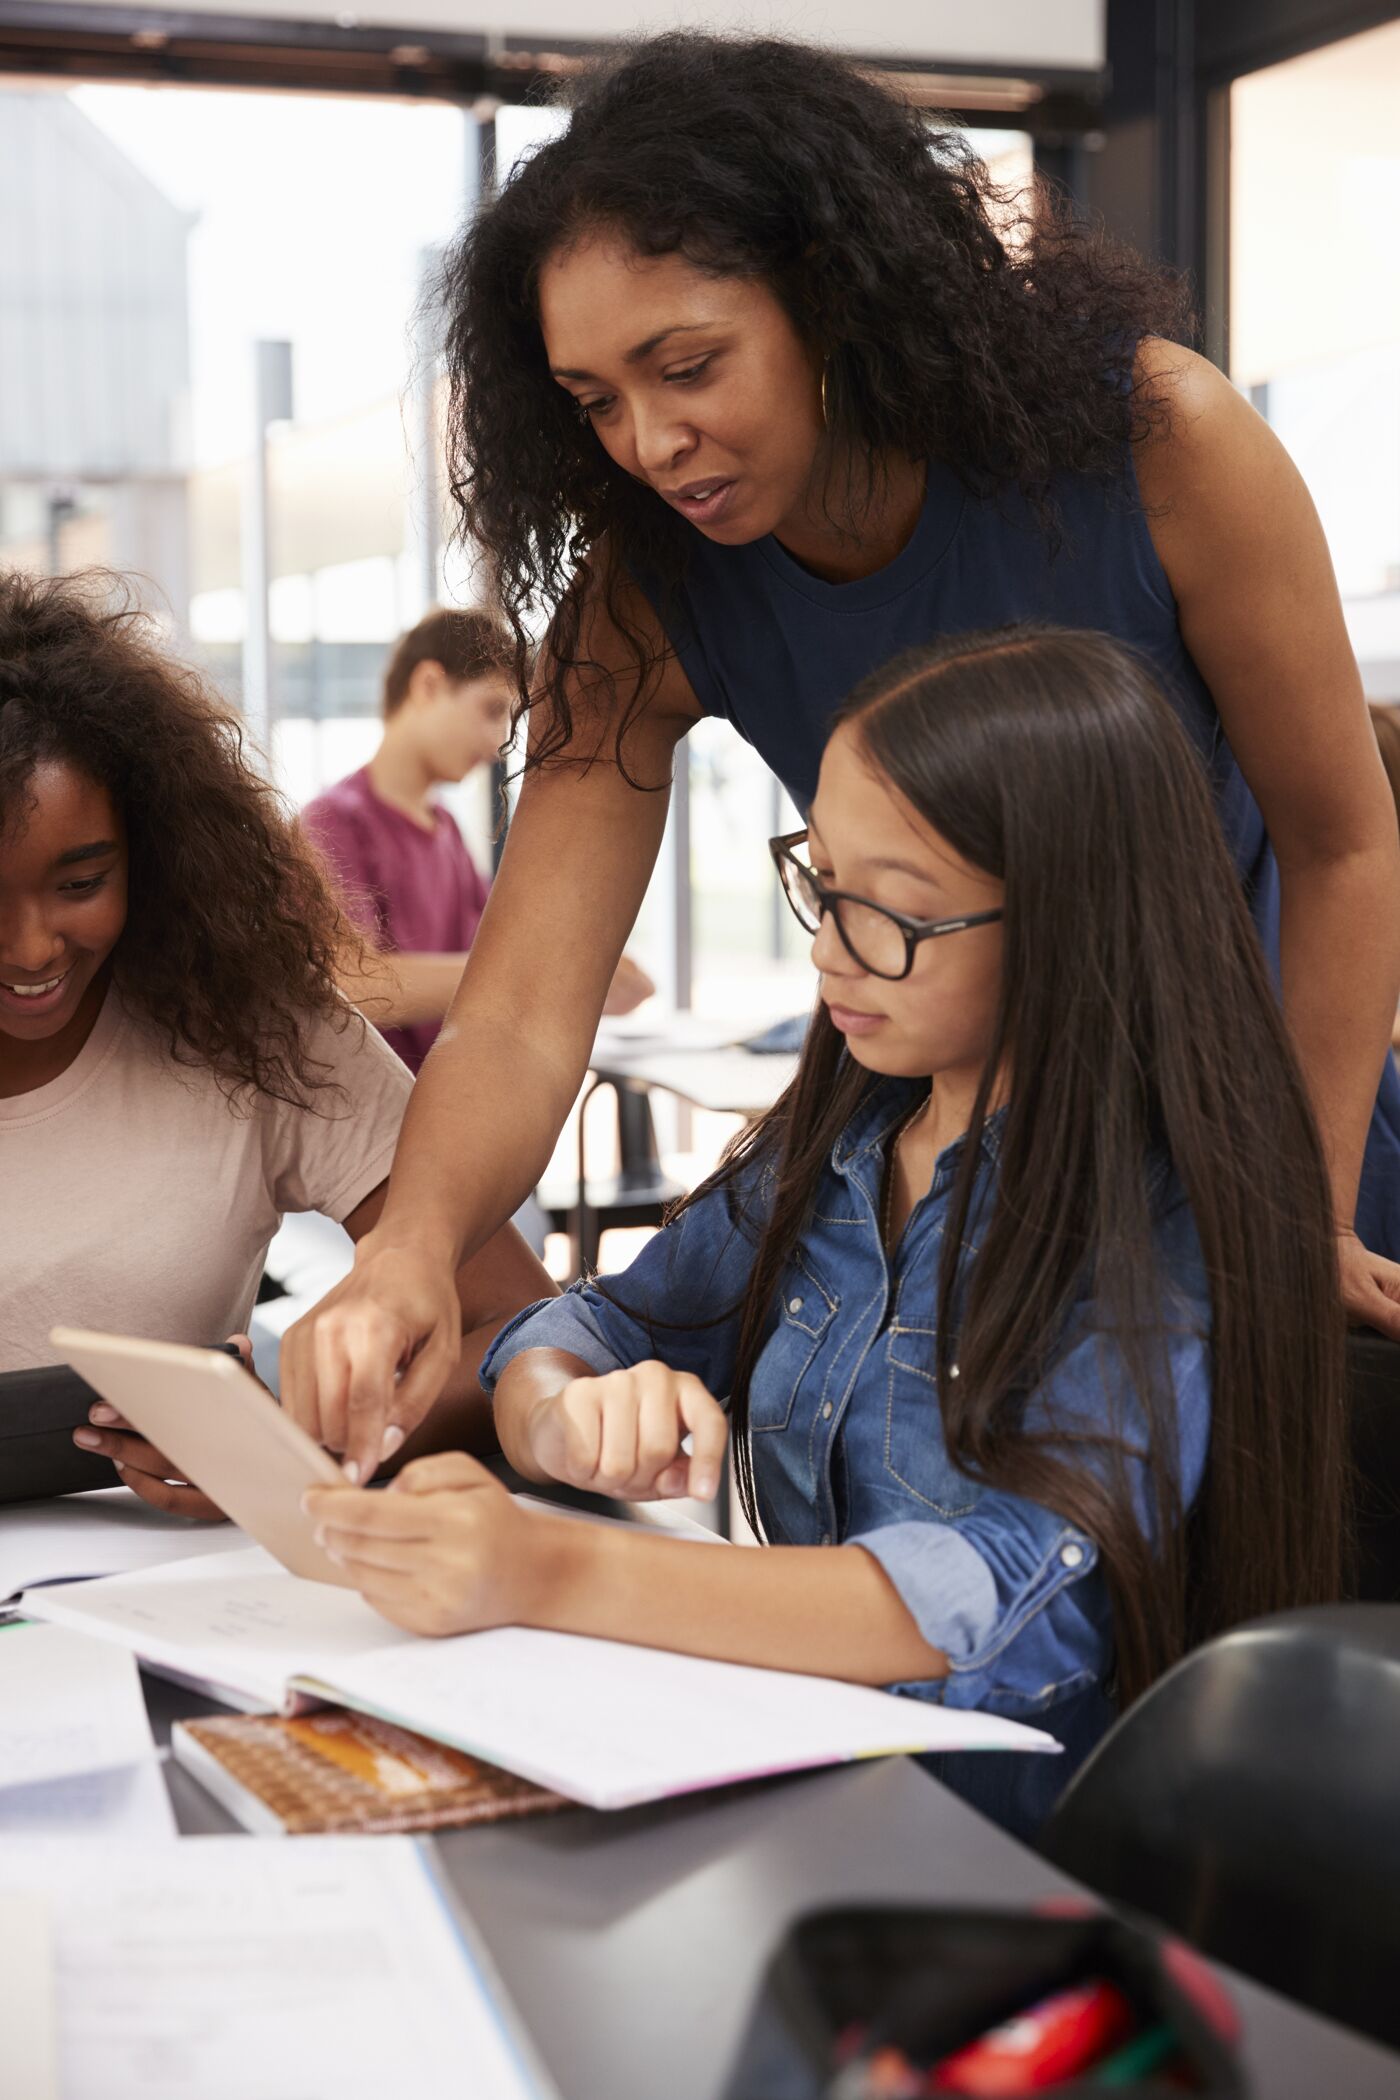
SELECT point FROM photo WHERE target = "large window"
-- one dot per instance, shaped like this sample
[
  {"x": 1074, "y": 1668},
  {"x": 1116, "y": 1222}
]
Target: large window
[
  {"x": 151, "y": 238},
  {"x": 1315, "y": 305}
]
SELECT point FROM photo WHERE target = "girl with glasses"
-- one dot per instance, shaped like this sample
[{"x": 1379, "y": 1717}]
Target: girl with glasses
[
  {"x": 1019, "y": 1310},
  {"x": 754, "y": 384}
]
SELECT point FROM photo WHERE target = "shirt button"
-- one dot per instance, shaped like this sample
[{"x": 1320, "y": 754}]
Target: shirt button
[
  {"x": 826, "y": 1538},
  {"x": 1072, "y": 1556},
  {"x": 953, "y": 1371},
  {"x": 794, "y": 1305},
  {"x": 826, "y": 1412}
]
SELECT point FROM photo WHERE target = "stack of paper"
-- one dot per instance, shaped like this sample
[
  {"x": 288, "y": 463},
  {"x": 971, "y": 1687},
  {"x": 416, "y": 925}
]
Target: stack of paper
[
  {"x": 332, "y": 1969},
  {"x": 76, "y": 1753}
]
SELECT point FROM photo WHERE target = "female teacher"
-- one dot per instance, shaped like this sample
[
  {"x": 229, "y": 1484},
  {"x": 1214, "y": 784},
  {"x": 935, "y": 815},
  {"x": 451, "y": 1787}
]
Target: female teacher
[{"x": 753, "y": 385}]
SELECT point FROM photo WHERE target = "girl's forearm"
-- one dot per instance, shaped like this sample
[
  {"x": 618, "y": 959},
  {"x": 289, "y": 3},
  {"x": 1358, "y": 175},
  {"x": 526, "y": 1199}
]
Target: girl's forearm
[
  {"x": 401, "y": 991},
  {"x": 832, "y": 1612},
  {"x": 1341, "y": 974}
]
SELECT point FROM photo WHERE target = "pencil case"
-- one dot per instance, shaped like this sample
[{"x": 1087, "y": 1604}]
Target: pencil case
[{"x": 923, "y": 1984}]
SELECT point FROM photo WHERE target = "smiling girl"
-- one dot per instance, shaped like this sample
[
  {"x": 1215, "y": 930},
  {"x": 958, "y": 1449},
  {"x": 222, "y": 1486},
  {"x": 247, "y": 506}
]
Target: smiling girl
[
  {"x": 177, "y": 1068},
  {"x": 1025, "y": 1290}
]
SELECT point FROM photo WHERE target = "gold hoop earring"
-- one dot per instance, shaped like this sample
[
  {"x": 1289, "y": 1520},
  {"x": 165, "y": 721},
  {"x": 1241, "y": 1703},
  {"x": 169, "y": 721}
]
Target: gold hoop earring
[{"x": 826, "y": 417}]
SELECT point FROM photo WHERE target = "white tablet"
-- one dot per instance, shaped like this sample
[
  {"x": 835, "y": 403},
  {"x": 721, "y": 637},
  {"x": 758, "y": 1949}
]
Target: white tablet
[{"x": 222, "y": 1430}]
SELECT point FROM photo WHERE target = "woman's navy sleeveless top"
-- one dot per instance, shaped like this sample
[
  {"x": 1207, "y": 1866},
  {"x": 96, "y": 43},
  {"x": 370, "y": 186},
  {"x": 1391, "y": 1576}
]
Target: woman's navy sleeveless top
[{"x": 776, "y": 651}]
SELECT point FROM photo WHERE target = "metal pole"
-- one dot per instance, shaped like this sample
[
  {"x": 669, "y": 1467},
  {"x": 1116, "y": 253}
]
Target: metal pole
[
  {"x": 272, "y": 403},
  {"x": 62, "y": 505}
]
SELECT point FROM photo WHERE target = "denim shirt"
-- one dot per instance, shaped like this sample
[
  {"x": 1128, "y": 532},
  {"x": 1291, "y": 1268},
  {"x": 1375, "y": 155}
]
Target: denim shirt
[{"x": 846, "y": 1432}]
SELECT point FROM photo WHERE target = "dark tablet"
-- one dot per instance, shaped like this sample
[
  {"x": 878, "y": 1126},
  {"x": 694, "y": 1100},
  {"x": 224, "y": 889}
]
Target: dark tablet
[{"x": 39, "y": 1410}]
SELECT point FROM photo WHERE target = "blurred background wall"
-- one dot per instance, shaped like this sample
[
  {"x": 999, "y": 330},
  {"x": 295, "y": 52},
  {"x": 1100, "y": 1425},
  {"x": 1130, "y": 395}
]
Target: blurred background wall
[{"x": 187, "y": 200}]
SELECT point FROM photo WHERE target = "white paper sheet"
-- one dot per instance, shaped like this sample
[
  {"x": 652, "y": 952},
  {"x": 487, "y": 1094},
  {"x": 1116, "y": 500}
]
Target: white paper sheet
[
  {"x": 106, "y": 1532},
  {"x": 328, "y": 1969},
  {"x": 603, "y": 1722},
  {"x": 28, "y": 2015},
  {"x": 130, "y": 1804},
  {"x": 613, "y": 1725},
  {"x": 68, "y": 1704},
  {"x": 231, "y": 1618}
]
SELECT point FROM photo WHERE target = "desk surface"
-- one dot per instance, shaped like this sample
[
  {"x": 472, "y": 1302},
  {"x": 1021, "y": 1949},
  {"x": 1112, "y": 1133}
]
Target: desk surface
[
  {"x": 729, "y": 1081},
  {"x": 632, "y": 1944}
]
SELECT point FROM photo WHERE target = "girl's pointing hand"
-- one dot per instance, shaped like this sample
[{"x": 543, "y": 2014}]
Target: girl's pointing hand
[{"x": 623, "y": 1434}]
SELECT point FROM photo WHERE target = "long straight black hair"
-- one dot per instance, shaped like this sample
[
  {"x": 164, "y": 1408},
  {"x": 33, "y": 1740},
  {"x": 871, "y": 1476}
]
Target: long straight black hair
[{"x": 1137, "y": 1018}]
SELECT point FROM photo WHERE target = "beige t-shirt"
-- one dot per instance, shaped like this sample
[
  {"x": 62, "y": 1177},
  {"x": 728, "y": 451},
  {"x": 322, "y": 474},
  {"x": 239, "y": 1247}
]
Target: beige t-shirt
[{"x": 136, "y": 1199}]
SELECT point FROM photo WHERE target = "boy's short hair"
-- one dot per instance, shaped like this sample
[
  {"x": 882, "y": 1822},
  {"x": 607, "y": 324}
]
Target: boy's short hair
[{"x": 467, "y": 644}]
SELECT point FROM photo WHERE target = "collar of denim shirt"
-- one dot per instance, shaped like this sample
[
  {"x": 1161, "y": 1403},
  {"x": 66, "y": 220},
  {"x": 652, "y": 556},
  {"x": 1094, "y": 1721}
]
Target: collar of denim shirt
[{"x": 859, "y": 1154}]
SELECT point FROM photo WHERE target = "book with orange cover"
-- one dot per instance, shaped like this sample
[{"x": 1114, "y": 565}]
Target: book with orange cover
[{"x": 333, "y": 1771}]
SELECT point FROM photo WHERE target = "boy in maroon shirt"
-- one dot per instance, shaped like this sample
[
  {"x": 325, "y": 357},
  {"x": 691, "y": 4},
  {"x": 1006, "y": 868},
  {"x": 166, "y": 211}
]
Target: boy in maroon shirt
[{"x": 408, "y": 881}]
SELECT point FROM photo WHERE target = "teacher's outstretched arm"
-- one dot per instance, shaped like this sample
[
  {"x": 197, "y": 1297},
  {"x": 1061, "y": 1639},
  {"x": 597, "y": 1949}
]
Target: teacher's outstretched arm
[
  {"x": 1260, "y": 612},
  {"x": 507, "y": 1067}
]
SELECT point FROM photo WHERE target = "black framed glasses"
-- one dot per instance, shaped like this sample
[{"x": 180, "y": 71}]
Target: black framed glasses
[{"x": 878, "y": 939}]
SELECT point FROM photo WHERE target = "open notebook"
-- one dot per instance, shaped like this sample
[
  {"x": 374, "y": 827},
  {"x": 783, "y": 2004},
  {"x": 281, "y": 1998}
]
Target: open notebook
[{"x": 599, "y": 1721}]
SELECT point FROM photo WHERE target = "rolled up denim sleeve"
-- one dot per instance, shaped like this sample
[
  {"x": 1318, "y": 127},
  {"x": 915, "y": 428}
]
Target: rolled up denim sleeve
[
  {"x": 1011, "y": 1593},
  {"x": 565, "y": 1323},
  {"x": 680, "y": 1301},
  {"x": 1002, "y": 1596}
]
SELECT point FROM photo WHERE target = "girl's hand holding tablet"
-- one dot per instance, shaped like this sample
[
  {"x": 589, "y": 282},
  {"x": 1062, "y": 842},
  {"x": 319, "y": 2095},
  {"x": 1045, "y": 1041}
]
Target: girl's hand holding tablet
[
  {"x": 146, "y": 1471},
  {"x": 442, "y": 1550},
  {"x": 445, "y": 1549}
]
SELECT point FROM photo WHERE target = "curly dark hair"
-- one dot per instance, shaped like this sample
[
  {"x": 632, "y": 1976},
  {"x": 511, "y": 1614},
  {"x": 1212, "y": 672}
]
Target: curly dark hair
[
  {"x": 953, "y": 322},
  {"x": 232, "y": 930}
]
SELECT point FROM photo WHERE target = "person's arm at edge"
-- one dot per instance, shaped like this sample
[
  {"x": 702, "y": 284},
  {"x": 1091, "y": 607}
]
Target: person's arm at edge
[{"x": 1245, "y": 554}]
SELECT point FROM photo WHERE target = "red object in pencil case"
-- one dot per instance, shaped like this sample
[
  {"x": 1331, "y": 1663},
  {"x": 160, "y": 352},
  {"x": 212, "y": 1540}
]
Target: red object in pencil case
[{"x": 1048, "y": 2042}]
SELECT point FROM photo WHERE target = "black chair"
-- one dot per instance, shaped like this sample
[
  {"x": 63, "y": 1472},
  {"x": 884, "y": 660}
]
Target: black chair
[{"x": 1250, "y": 1802}]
